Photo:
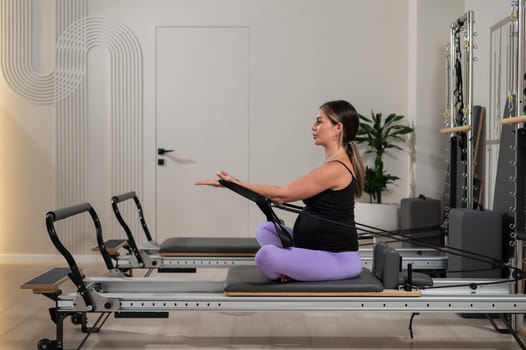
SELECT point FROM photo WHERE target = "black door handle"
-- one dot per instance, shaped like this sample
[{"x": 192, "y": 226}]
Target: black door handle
[{"x": 161, "y": 151}]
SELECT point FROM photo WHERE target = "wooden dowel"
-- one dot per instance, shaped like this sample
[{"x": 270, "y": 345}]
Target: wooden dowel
[
  {"x": 513, "y": 120},
  {"x": 455, "y": 129}
]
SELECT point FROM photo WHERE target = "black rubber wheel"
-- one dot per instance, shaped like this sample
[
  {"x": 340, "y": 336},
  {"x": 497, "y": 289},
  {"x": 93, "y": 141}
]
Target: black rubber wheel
[
  {"x": 45, "y": 344},
  {"x": 77, "y": 318}
]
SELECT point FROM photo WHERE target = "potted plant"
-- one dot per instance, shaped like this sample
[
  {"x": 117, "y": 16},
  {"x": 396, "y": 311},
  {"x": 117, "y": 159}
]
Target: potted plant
[{"x": 380, "y": 136}]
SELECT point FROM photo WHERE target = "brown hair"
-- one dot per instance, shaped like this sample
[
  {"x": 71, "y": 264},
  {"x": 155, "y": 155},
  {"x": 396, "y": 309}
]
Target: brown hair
[{"x": 343, "y": 112}]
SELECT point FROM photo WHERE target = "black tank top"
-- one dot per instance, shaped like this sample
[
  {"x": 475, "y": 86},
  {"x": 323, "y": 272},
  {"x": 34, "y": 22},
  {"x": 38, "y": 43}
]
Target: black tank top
[{"x": 337, "y": 206}]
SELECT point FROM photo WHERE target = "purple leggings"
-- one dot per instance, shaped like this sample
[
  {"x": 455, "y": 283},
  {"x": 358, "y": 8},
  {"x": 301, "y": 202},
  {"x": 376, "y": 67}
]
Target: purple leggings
[{"x": 299, "y": 263}]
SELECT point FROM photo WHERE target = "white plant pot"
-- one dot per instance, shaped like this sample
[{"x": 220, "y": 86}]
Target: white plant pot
[{"x": 382, "y": 216}]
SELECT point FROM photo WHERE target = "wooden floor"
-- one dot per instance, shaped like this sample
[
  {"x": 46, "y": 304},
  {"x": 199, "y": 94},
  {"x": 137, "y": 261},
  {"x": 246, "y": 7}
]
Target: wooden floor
[{"x": 24, "y": 320}]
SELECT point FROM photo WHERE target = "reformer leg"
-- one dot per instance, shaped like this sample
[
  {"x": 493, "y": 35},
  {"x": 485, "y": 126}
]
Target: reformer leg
[
  {"x": 508, "y": 330},
  {"x": 411, "y": 323},
  {"x": 76, "y": 318}
]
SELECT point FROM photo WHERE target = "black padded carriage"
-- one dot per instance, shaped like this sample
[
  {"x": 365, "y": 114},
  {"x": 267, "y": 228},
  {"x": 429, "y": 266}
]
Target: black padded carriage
[
  {"x": 209, "y": 246},
  {"x": 249, "y": 281}
]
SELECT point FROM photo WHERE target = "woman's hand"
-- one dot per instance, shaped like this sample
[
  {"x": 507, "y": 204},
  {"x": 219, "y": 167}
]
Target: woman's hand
[
  {"x": 223, "y": 175},
  {"x": 208, "y": 182}
]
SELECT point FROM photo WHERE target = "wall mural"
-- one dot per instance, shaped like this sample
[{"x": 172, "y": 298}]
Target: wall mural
[{"x": 66, "y": 87}]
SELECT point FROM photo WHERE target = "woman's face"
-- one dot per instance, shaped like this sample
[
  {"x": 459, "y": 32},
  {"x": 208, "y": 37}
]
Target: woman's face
[{"x": 324, "y": 131}]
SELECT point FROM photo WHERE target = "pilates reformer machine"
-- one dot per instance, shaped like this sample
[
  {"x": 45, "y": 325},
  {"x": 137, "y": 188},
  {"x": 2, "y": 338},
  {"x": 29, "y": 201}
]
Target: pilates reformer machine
[
  {"x": 383, "y": 288},
  {"x": 178, "y": 254}
]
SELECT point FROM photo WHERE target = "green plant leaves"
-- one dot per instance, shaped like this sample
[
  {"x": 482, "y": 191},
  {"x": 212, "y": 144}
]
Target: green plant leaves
[{"x": 380, "y": 135}]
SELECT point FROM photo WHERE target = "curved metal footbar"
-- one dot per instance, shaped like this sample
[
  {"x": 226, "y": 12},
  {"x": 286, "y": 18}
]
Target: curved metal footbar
[
  {"x": 75, "y": 275},
  {"x": 266, "y": 206},
  {"x": 115, "y": 200}
]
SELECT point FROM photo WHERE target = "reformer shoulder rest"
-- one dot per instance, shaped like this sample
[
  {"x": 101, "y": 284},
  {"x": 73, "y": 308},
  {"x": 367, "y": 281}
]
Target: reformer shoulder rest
[{"x": 387, "y": 267}]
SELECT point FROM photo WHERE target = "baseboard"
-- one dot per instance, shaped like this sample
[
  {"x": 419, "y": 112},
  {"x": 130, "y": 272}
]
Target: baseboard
[{"x": 47, "y": 259}]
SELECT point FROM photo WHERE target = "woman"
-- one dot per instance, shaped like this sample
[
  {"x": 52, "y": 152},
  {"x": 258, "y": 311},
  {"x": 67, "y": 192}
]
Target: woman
[{"x": 325, "y": 239}]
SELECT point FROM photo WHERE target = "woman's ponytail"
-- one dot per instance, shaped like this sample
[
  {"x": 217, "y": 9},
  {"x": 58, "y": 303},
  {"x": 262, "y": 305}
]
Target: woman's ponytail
[{"x": 359, "y": 171}]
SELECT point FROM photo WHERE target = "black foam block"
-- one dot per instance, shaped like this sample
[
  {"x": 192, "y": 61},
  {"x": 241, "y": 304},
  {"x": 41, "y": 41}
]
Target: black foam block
[
  {"x": 474, "y": 231},
  {"x": 418, "y": 213}
]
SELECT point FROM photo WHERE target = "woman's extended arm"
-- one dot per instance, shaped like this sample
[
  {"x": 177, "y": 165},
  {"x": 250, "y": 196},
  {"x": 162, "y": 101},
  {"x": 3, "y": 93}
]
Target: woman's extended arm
[{"x": 318, "y": 180}]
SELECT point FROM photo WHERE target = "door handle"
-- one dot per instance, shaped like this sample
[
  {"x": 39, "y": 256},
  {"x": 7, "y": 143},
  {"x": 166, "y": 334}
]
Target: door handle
[{"x": 161, "y": 151}]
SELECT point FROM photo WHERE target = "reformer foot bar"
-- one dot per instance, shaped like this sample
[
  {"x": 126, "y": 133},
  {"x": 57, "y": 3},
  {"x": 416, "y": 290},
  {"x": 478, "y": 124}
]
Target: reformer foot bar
[
  {"x": 192, "y": 252},
  {"x": 382, "y": 288}
]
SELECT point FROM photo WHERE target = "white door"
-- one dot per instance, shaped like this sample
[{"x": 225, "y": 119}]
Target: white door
[{"x": 202, "y": 115}]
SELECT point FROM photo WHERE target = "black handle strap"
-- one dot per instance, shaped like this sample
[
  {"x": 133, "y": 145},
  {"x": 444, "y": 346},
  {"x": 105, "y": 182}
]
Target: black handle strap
[{"x": 264, "y": 205}]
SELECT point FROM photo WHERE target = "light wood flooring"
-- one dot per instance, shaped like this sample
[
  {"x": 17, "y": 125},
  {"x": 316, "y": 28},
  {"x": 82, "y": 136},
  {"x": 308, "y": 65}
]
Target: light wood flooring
[{"x": 24, "y": 320}]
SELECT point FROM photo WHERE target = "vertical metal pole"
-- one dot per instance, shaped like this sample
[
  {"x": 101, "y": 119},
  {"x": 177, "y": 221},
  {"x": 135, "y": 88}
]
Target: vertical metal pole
[
  {"x": 452, "y": 177},
  {"x": 517, "y": 320},
  {"x": 469, "y": 119},
  {"x": 452, "y": 59},
  {"x": 519, "y": 111},
  {"x": 511, "y": 83},
  {"x": 519, "y": 60}
]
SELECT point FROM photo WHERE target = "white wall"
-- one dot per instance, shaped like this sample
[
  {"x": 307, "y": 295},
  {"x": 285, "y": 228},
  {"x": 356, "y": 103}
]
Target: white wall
[
  {"x": 27, "y": 148},
  {"x": 394, "y": 51}
]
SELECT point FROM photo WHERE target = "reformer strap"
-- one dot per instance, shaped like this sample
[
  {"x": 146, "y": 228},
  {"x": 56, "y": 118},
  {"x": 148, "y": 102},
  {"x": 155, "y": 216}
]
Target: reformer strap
[{"x": 264, "y": 205}]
